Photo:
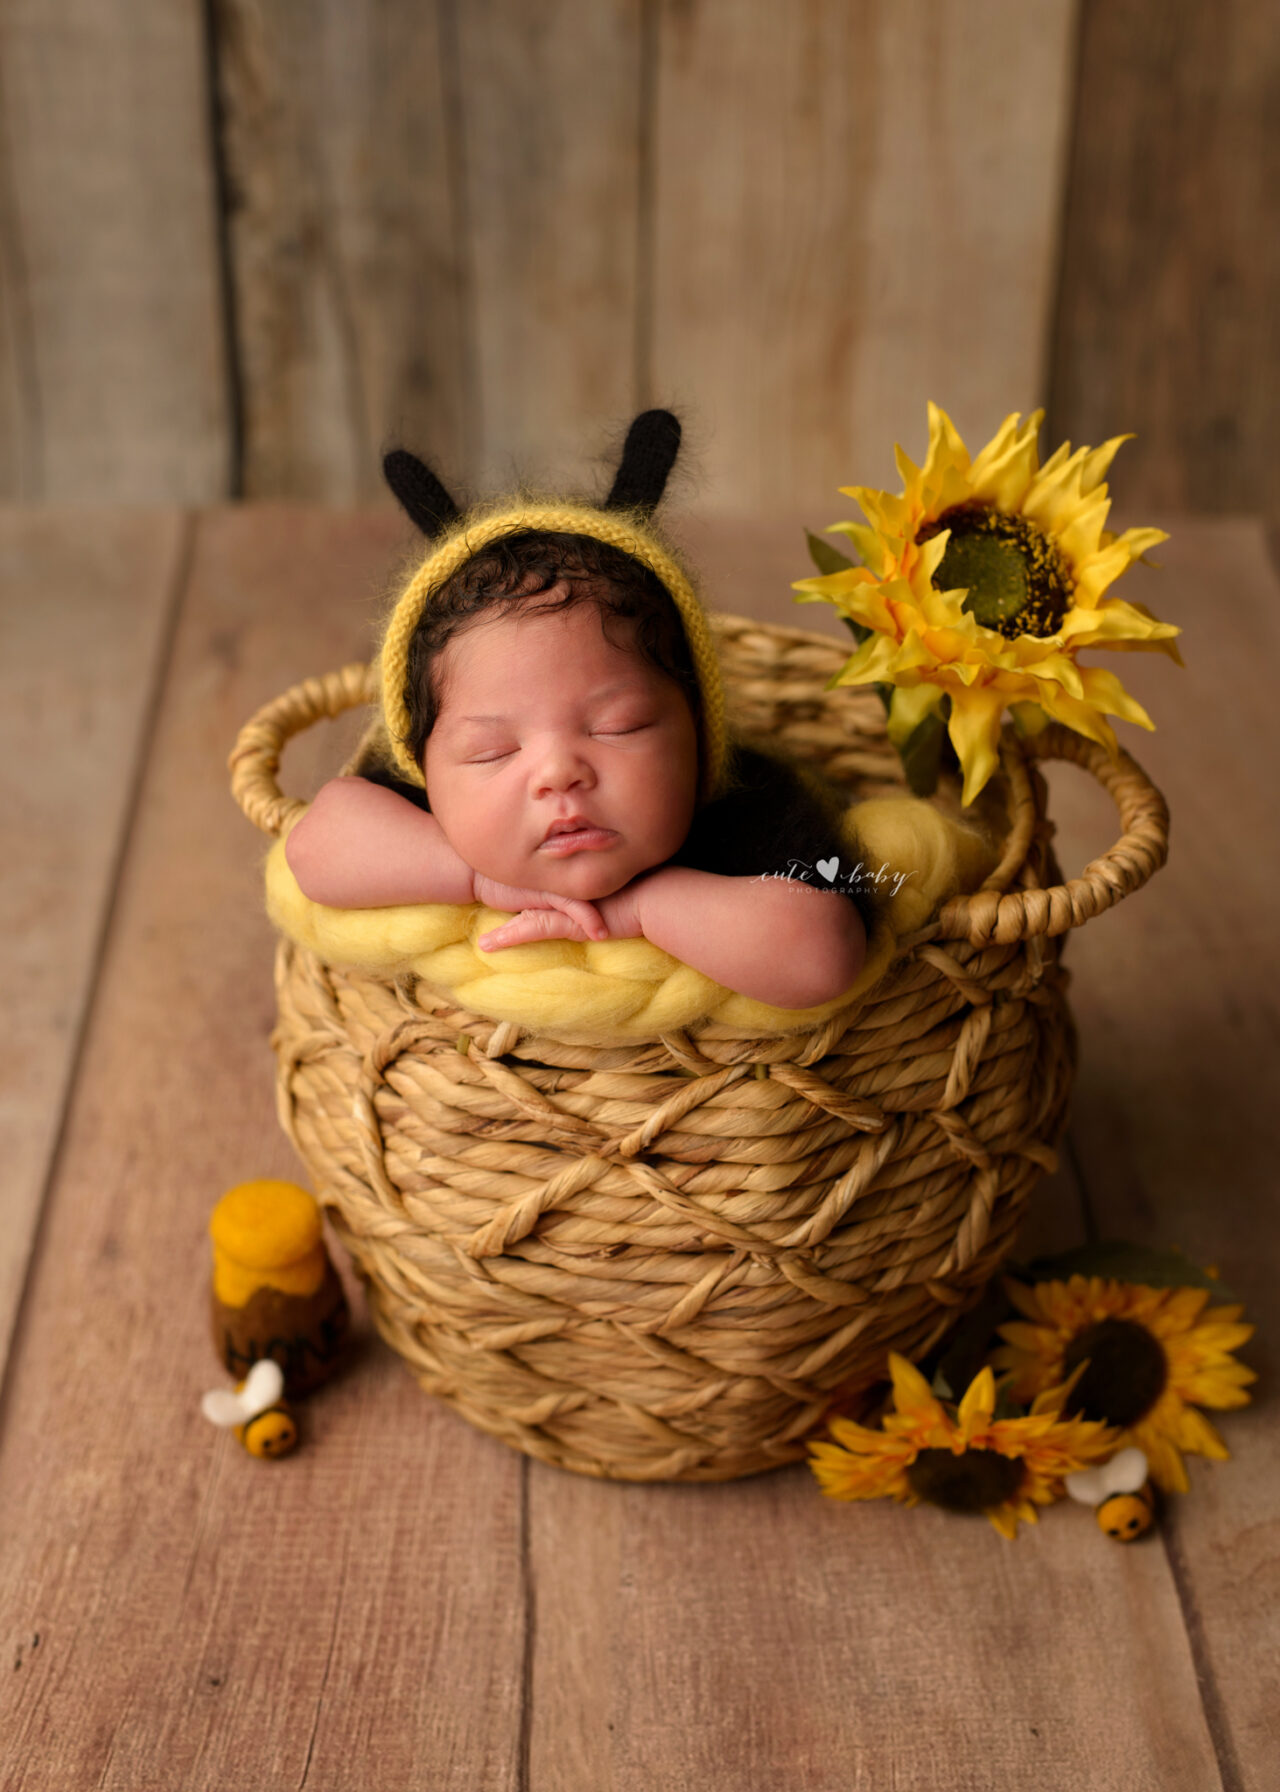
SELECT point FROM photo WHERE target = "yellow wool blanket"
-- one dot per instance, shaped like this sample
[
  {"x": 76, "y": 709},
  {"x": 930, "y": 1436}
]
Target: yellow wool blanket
[{"x": 630, "y": 989}]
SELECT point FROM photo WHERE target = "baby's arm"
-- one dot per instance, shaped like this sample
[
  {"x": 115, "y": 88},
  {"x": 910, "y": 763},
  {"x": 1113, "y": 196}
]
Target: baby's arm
[
  {"x": 361, "y": 846},
  {"x": 776, "y": 940}
]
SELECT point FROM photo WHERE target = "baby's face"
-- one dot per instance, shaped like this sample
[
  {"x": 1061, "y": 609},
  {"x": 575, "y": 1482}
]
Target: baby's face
[{"x": 544, "y": 721}]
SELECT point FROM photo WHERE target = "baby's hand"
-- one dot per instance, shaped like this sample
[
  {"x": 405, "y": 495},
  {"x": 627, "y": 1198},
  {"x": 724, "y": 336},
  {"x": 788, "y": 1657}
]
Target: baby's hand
[{"x": 543, "y": 916}]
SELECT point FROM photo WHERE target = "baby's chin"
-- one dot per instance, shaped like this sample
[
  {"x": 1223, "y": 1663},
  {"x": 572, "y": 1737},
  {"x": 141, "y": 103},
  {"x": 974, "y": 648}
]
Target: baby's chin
[{"x": 586, "y": 876}]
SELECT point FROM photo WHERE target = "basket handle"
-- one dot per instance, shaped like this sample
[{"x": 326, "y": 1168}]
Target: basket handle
[
  {"x": 255, "y": 758},
  {"x": 989, "y": 916}
]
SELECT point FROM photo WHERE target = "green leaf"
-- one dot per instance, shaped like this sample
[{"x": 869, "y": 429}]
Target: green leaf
[
  {"x": 826, "y": 558},
  {"x": 1114, "y": 1259},
  {"x": 921, "y": 754}
]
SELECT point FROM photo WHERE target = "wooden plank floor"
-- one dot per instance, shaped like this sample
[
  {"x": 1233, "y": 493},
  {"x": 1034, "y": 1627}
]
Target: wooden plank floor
[{"x": 405, "y": 1603}]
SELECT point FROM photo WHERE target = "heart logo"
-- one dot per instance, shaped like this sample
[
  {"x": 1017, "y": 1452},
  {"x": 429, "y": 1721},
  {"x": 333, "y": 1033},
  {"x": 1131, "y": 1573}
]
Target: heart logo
[{"x": 828, "y": 868}]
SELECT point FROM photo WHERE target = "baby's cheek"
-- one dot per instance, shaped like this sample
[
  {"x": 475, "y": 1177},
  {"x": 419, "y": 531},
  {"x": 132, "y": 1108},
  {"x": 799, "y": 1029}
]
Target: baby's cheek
[{"x": 484, "y": 839}]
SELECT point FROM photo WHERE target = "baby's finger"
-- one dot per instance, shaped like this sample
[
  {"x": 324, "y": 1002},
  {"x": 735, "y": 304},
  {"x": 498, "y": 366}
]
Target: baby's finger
[
  {"x": 532, "y": 925},
  {"x": 585, "y": 914}
]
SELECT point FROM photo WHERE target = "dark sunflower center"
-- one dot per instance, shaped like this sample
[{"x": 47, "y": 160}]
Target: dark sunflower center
[
  {"x": 1126, "y": 1373},
  {"x": 1016, "y": 579},
  {"x": 974, "y": 1482}
]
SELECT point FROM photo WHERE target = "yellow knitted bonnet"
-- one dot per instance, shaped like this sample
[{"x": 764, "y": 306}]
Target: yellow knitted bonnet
[{"x": 621, "y": 522}]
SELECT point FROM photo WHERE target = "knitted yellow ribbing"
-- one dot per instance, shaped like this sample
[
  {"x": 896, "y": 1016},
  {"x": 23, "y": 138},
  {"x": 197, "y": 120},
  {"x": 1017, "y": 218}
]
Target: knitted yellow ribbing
[{"x": 619, "y": 529}]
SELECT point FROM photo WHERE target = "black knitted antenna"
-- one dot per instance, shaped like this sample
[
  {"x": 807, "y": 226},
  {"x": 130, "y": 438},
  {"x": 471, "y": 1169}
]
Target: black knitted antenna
[
  {"x": 653, "y": 441},
  {"x": 420, "y": 493}
]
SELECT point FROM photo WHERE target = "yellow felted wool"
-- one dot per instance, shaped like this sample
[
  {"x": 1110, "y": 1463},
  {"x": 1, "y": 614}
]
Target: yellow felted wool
[
  {"x": 629, "y": 988},
  {"x": 940, "y": 855},
  {"x": 625, "y": 530},
  {"x": 266, "y": 1234}
]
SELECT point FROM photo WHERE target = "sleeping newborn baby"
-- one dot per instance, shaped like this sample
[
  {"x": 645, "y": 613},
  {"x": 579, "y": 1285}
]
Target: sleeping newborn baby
[{"x": 551, "y": 757}]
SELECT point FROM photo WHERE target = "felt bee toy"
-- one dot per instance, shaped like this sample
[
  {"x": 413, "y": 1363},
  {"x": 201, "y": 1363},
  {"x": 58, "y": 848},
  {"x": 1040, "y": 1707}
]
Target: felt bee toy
[
  {"x": 256, "y": 1411},
  {"x": 275, "y": 1292},
  {"x": 1120, "y": 1494}
]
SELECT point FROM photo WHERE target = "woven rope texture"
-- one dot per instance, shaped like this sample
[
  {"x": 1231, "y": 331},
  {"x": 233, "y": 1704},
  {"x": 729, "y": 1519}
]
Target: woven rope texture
[{"x": 663, "y": 1260}]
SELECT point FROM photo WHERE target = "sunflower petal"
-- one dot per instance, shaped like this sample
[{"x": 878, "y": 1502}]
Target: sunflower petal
[
  {"x": 1116, "y": 623},
  {"x": 1197, "y": 1434},
  {"x": 974, "y": 727},
  {"x": 911, "y": 1392},
  {"x": 1168, "y": 1470},
  {"x": 1003, "y": 471},
  {"x": 978, "y": 1405},
  {"x": 1080, "y": 717},
  {"x": 1104, "y": 691},
  {"x": 946, "y": 452}
]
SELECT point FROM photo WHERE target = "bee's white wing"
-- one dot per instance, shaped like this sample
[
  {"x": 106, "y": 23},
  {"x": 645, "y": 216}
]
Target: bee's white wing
[
  {"x": 1126, "y": 1472},
  {"x": 1088, "y": 1486},
  {"x": 263, "y": 1386},
  {"x": 223, "y": 1407}
]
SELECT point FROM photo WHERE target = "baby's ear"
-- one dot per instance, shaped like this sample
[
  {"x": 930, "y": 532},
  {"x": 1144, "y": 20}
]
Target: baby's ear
[
  {"x": 419, "y": 491},
  {"x": 653, "y": 441}
]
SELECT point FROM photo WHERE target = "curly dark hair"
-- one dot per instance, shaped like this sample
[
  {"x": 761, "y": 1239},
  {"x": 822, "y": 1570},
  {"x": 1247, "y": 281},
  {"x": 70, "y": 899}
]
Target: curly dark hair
[{"x": 516, "y": 570}]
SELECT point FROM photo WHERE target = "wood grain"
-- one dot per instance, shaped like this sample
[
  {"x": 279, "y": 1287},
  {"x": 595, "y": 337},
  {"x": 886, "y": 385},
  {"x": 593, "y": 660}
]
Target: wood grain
[
  {"x": 352, "y": 1615},
  {"x": 854, "y": 210},
  {"x": 1176, "y": 1119},
  {"x": 763, "y": 1635},
  {"x": 1171, "y": 252},
  {"x": 550, "y": 110},
  {"x": 345, "y": 241},
  {"x": 85, "y": 604},
  {"x": 113, "y": 381}
]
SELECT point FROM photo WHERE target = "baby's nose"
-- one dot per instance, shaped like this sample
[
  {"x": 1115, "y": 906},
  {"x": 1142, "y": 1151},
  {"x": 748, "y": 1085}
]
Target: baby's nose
[{"x": 562, "y": 767}]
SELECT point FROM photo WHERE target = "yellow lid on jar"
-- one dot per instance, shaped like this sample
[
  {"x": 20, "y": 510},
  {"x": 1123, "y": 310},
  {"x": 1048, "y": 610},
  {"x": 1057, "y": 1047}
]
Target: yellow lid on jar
[{"x": 267, "y": 1227}]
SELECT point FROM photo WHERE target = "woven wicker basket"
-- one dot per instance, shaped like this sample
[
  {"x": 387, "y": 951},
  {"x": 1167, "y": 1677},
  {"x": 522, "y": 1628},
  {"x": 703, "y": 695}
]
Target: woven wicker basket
[{"x": 660, "y": 1260}]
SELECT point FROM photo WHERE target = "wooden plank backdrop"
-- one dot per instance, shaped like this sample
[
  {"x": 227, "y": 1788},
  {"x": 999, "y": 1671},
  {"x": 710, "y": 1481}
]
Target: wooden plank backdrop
[
  {"x": 246, "y": 245},
  {"x": 854, "y": 210},
  {"x": 1170, "y": 286},
  {"x": 346, "y": 249},
  {"x": 113, "y": 380},
  {"x": 405, "y": 1603}
]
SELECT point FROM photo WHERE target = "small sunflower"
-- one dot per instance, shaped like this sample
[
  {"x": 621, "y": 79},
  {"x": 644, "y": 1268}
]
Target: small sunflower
[
  {"x": 962, "y": 1458},
  {"x": 1153, "y": 1356},
  {"x": 983, "y": 581}
]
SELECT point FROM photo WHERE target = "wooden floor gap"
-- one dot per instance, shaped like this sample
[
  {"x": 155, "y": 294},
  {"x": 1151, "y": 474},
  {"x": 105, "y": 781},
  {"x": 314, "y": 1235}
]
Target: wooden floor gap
[
  {"x": 530, "y": 1631},
  {"x": 1210, "y": 1698}
]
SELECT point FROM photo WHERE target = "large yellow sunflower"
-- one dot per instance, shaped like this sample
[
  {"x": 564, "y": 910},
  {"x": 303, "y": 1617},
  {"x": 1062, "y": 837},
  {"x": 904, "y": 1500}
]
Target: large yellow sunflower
[
  {"x": 962, "y": 1458},
  {"x": 1154, "y": 1355},
  {"x": 983, "y": 581}
]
